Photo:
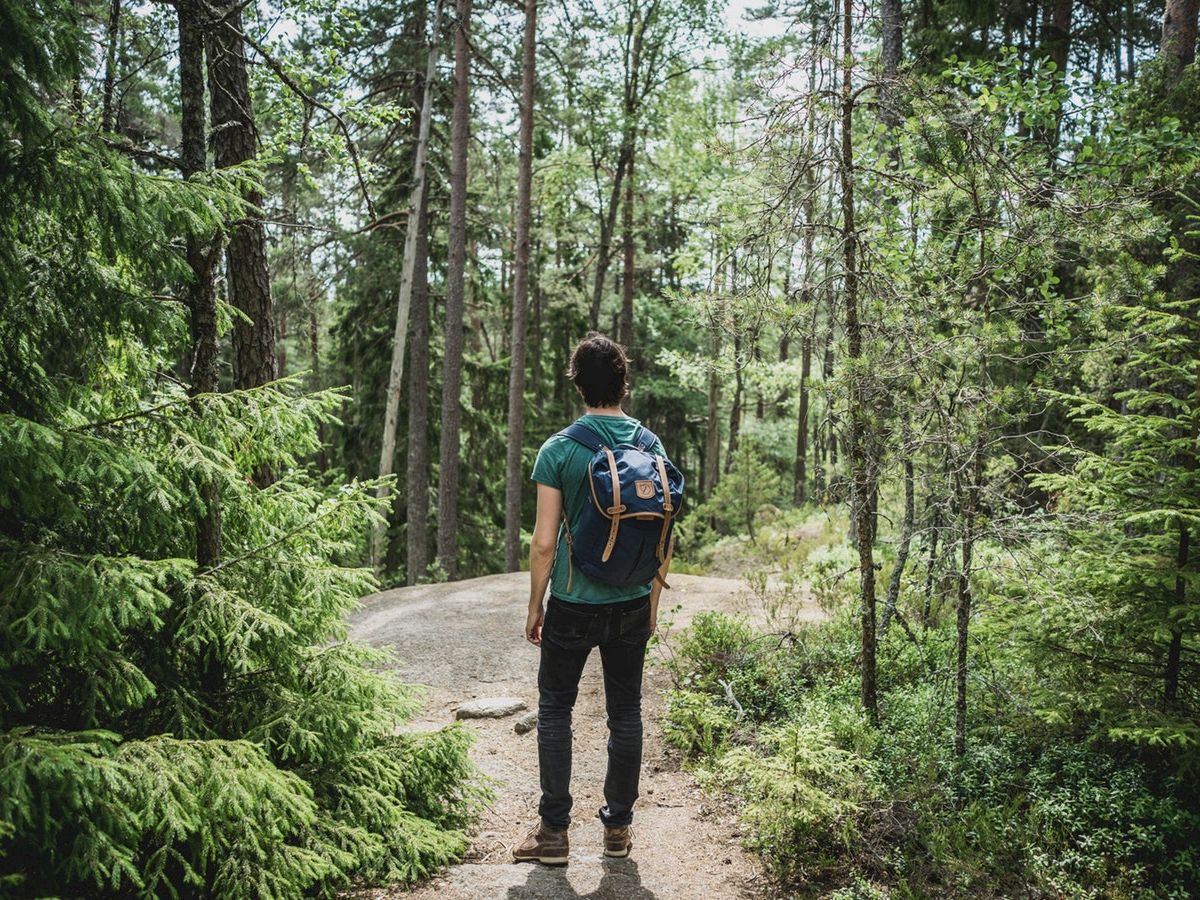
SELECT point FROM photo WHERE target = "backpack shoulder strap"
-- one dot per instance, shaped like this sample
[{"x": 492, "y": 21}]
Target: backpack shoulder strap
[
  {"x": 581, "y": 434},
  {"x": 644, "y": 439}
]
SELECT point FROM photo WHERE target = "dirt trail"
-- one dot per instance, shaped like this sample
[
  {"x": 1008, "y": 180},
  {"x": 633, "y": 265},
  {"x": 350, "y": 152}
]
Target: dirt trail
[{"x": 464, "y": 640}]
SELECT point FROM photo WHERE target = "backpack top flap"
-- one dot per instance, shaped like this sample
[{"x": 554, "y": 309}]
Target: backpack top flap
[{"x": 647, "y": 484}]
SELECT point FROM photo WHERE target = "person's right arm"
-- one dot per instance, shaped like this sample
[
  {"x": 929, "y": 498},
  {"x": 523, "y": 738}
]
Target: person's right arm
[{"x": 541, "y": 557}]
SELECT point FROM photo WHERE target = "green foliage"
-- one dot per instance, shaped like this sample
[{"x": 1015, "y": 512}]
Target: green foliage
[
  {"x": 165, "y": 729},
  {"x": 833, "y": 803}
]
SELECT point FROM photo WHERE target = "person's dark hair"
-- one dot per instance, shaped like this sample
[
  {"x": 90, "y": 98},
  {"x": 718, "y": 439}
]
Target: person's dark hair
[{"x": 600, "y": 369}]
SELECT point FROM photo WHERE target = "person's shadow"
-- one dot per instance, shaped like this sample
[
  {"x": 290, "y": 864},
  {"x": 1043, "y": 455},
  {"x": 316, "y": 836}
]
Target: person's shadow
[{"x": 621, "y": 881}]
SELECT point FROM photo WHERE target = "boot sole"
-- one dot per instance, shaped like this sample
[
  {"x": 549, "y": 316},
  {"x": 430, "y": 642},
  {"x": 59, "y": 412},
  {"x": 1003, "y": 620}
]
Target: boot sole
[
  {"x": 544, "y": 860},
  {"x": 618, "y": 854}
]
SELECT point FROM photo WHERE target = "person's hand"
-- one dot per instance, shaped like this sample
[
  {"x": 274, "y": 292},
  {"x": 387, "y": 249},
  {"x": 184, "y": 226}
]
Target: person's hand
[
  {"x": 533, "y": 625},
  {"x": 653, "y": 616}
]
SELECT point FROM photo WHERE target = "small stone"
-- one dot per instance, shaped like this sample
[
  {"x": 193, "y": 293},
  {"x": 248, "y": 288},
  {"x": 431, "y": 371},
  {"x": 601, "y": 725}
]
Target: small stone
[
  {"x": 489, "y": 708},
  {"x": 526, "y": 723}
]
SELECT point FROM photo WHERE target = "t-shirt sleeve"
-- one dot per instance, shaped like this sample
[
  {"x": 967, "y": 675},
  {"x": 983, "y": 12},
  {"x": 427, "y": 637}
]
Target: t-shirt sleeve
[{"x": 546, "y": 468}]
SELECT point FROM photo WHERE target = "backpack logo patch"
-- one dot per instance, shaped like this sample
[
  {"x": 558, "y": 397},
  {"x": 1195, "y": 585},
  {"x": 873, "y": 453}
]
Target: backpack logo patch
[{"x": 644, "y": 489}]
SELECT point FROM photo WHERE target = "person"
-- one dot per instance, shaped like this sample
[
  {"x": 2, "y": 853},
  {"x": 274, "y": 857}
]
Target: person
[{"x": 583, "y": 613}]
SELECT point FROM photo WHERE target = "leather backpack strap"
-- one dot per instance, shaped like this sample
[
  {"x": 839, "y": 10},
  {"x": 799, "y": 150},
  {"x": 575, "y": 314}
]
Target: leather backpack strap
[
  {"x": 570, "y": 551},
  {"x": 614, "y": 511},
  {"x": 668, "y": 510}
]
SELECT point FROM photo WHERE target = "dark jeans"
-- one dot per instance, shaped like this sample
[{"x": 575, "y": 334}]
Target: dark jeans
[{"x": 569, "y": 633}]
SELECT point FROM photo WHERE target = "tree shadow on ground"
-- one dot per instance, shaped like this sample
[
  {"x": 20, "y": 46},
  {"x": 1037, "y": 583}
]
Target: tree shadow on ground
[{"x": 621, "y": 881}]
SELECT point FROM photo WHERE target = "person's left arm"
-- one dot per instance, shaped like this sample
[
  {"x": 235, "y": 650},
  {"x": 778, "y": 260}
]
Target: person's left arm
[{"x": 541, "y": 557}]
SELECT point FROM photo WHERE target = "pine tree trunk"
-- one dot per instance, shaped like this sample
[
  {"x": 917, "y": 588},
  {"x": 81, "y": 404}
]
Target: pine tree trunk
[
  {"x": 1175, "y": 648},
  {"x": 112, "y": 39},
  {"x": 628, "y": 253},
  {"x": 234, "y": 142},
  {"x": 970, "y": 506},
  {"x": 1178, "y": 45},
  {"x": 391, "y": 417},
  {"x": 735, "y": 409},
  {"x": 891, "y": 50},
  {"x": 861, "y": 487},
  {"x": 202, "y": 260},
  {"x": 608, "y": 225},
  {"x": 447, "y": 545},
  {"x": 800, "y": 488},
  {"x": 906, "y": 532},
  {"x": 516, "y": 381},
  {"x": 314, "y": 351},
  {"x": 712, "y": 442},
  {"x": 416, "y": 474}
]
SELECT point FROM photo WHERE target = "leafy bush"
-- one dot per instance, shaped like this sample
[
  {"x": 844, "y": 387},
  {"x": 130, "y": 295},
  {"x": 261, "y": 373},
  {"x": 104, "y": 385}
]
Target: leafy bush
[{"x": 832, "y": 803}]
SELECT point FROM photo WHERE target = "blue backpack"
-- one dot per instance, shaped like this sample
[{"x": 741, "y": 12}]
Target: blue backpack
[{"x": 624, "y": 535}]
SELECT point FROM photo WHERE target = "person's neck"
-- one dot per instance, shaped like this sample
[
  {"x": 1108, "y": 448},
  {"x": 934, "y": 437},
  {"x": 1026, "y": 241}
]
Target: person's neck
[{"x": 604, "y": 410}]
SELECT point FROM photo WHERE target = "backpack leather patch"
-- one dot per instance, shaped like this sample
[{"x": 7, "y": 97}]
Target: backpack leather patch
[{"x": 644, "y": 489}]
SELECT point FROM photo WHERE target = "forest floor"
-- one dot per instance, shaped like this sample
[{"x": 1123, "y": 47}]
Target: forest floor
[{"x": 464, "y": 640}]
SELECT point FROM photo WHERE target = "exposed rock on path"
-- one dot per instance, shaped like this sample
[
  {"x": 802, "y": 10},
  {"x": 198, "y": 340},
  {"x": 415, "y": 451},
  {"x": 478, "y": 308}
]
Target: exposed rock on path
[{"x": 465, "y": 640}]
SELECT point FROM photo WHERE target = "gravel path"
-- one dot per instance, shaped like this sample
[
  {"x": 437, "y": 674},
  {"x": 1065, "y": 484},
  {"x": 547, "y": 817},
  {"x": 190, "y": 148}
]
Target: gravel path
[{"x": 464, "y": 640}]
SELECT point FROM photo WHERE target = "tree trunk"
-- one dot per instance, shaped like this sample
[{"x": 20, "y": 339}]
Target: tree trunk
[
  {"x": 906, "y": 531},
  {"x": 314, "y": 350},
  {"x": 712, "y": 442},
  {"x": 447, "y": 544},
  {"x": 859, "y": 466},
  {"x": 1175, "y": 648},
  {"x": 628, "y": 252},
  {"x": 608, "y": 224},
  {"x": 416, "y": 475},
  {"x": 800, "y": 489},
  {"x": 1056, "y": 43},
  {"x": 890, "y": 54},
  {"x": 1178, "y": 45},
  {"x": 234, "y": 142},
  {"x": 516, "y": 381},
  {"x": 113, "y": 38},
  {"x": 735, "y": 409},
  {"x": 202, "y": 260},
  {"x": 391, "y": 416},
  {"x": 969, "y": 509}
]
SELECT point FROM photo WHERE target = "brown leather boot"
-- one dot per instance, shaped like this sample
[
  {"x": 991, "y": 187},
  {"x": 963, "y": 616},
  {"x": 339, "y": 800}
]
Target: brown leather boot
[
  {"x": 618, "y": 841},
  {"x": 544, "y": 846}
]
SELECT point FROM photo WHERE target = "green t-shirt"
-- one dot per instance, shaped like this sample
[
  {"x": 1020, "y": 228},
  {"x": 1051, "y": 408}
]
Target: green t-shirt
[{"x": 563, "y": 463}]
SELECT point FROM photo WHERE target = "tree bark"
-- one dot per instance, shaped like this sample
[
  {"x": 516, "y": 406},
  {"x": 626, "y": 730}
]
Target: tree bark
[
  {"x": 201, "y": 258},
  {"x": 391, "y": 416},
  {"x": 608, "y": 225},
  {"x": 447, "y": 544},
  {"x": 627, "y": 271},
  {"x": 516, "y": 381},
  {"x": 891, "y": 52},
  {"x": 712, "y": 442},
  {"x": 963, "y": 618},
  {"x": 113, "y": 37},
  {"x": 859, "y": 464},
  {"x": 800, "y": 489},
  {"x": 1175, "y": 648},
  {"x": 906, "y": 532},
  {"x": 416, "y": 474},
  {"x": 234, "y": 142},
  {"x": 1178, "y": 47},
  {"x": 735, "y": 408}
]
